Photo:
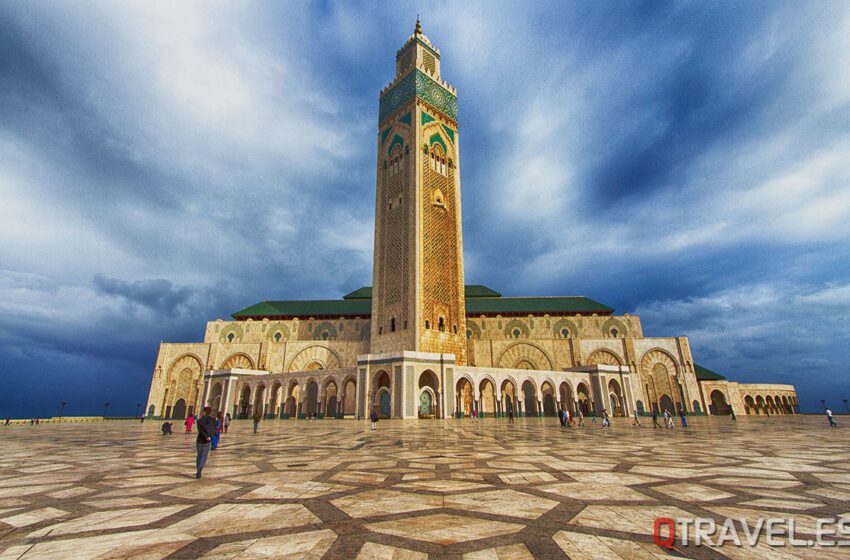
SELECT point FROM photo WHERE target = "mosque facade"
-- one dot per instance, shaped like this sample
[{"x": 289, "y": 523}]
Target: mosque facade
[{"x": 419, "y": 342}]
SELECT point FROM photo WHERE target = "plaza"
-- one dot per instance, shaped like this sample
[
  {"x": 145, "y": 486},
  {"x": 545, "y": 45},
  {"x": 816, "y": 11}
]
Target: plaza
[{"x": 413, "y": 489}]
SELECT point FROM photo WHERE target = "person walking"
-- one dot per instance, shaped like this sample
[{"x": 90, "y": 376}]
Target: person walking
[
  {"x": 227, "y": 421},
  {"x": 190, "y": 421},
  {"x": 606, "y": 420},
  {"x": 832, "y": 423},
  {"x": 474, "y": 415},
  {"x": 257, "y": 417},
  {"x": 683, "y": 416},
  {"x": 668, "y": 420},
  {"x": 637, "y": 419},
  {"x": 206, "y": 432},
  {"x": 593, "y": 415},
  {"x": 580, "y": 416},
  {"x": 219, "y": 426},
  {"x": 374, "y": 419},
  {"x": 561, "y": 418},
  {"x": 732, "y": 413},
  {"x": 655, "y": 423}
]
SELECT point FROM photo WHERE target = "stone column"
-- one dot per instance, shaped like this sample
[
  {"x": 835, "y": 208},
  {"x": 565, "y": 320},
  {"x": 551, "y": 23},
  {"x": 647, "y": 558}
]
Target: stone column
[{"x": 205, "y": 393}]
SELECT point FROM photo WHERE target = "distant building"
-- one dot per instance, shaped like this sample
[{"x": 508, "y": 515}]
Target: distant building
[{"x": 419, "y": 343}]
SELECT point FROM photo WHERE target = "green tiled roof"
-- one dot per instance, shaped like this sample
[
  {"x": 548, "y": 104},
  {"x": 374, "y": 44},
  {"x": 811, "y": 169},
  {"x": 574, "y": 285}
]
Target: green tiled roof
[
  {"x": 477, "y": 290},
  {"x": 480, "y": 300},
  {"x": 310, "y": 308},
  {"x": 705, "y": 374},
  {"x": 361, "y": 293}
]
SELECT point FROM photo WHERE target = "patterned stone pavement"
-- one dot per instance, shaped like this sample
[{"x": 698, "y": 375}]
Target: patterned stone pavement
[{"x": 412, "y": 489}]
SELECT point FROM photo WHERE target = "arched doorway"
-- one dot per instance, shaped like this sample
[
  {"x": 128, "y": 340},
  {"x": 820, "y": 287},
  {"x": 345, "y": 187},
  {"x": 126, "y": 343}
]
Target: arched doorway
[
  {"x": 330, "y": 400},
  {"x": 381, "y": 401},
  {"x": 274, "y": 397},
  {"x": 215, "y": 397},
  {"x": 429, "y": 406},
  {"x": 548, "y": 399},
  {"x": 583, "y": 398},
  {"x": 312, "y": 405},
  {"x": 349, "y": 397},
  {"x": 786, "y": 406},
  {"x": 179, "y": 410},
  {"x": 465, "y": 398},
  {"x": 640, "y": 407},
  {"x": 529, "y": 393},
  {"x": 750, "y": 405},
  {"x": 487, "y": 405},
  {"x": 760, "y": 405},
  {"x": 719, "y": 405},
  {"x": 292, "y": 400},
  {"x": 615, "y": 397},
  {"x": 151, "y": 410},
  {"x": 696, "y": 407},
  {"x": 566, "y": 393},
  {"x": 245, "y": 401},
  {"x": 509, "y": 400},
  {"x": 259, "y": 401},
  {"x": 666, "y": 403}
]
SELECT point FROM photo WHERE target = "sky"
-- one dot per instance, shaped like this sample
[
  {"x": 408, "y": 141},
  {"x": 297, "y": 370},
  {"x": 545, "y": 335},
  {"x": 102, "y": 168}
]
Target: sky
[{"x": 164, "y": 164}]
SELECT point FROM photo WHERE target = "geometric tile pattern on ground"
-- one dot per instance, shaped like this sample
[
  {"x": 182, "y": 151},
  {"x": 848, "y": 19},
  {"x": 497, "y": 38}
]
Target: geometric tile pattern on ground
[{"x": 411, "y": 489}]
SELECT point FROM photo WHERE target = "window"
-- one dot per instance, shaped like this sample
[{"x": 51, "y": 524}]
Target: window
[
  {"x": 454, "y": 328},
  {"x": 441, "y": 324},
  {"x": 565, "y": 332},
  {"x": 325, "y": 335},
  {"x": 395, "y": 161},
  {"x": 277, "y": 336},
  {"x": 468, "y": 333},
  {"x": 380, "y": 330},
  {"x": 427, "y": 324},
  {"x": 392, "y": 324},
  {"x": 438, "y": 160},
  {"x": 438, "y": 199},
  {"x": 405, "y": 325},
  {"x": 615, "y": 333},
  {"x": 516, "y": 333},
  {"x": 230, "y": 337}
]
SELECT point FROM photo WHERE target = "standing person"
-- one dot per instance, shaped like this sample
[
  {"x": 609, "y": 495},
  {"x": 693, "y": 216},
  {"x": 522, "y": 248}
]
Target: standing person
[
  {"x": 637, "y": 419},
  {"x": 257, "y": 417},
  {"x": 143, "y": 418},
  {"x": 732, "y": 413},
  {"x": 580, "y": 415},
  {"x": 206, "y": 432},
  {"x": 593, "y": 415},
  {"x": 655, "y": 423},
  {"x": 474, "y": 415},
  {"x": 561, "y": 418},
  {"x": 227, "y": 421},
  {"x": 190, "y": 421},
  {"x": 832, "y": 423},
  {"x": 683, "y": 416},
  {"x": 510, "y": 413},
  {"x": 374, "y": 419},
  {"x": 606, "y": 420},
  {"x": 219, "y": 425}
]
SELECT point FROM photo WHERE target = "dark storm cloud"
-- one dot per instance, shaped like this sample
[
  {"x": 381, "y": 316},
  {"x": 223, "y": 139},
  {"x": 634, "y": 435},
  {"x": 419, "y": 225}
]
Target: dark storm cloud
[{"x": 162, "y": 165}]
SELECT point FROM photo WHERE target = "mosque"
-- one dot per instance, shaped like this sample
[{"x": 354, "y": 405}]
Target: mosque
[{"x": 419, "y": 343}]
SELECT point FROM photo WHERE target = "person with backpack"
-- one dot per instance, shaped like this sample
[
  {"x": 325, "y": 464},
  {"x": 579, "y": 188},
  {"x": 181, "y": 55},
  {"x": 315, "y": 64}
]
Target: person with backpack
[{"x": 207, "y": 427}]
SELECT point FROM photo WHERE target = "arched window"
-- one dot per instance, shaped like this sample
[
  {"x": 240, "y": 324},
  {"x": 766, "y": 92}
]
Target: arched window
[
  {"x": 392, "y": 324},
  {"x": 439, "y": 199},
  {"x": 438, "y": 160},
  {"x": 395, "y": 161},
  {"x": 565, "y": 332},
  {"x": 277, "y": 336},
  {"x": 230, "y": 337},
  {"x": 441, "y": 324},
  {"x": 516, "y": 333},
  {"x": 427, "y": 324},
  {"x": 615, "y": 333}
]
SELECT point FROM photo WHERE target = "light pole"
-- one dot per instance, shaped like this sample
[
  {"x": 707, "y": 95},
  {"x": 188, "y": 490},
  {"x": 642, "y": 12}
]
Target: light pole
[
  {"x": 105, "y": 408},
  {"x": 847, "y": 407},
  {"x": 138, "y": 405},
  {"x": 823, "y": 402},
  {"x": 63, "y": 403}
]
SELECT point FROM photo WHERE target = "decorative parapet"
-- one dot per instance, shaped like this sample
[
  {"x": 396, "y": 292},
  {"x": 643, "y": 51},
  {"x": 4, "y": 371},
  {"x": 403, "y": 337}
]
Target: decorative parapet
[{"x": 417, "y": 83}]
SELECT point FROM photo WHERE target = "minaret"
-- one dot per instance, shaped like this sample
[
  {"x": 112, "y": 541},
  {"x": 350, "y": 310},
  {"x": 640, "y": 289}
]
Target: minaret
[{"x": 417, "y": 297}]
